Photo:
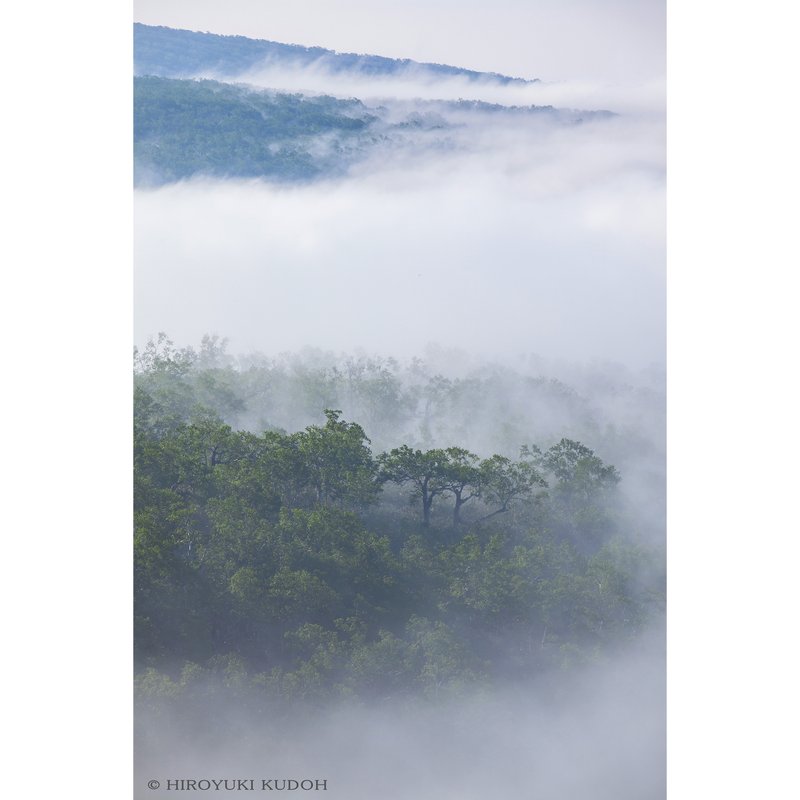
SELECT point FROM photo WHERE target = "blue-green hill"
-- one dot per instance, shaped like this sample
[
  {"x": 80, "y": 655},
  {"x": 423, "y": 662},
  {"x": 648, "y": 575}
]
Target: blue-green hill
[{"x": 182, "y": 54}]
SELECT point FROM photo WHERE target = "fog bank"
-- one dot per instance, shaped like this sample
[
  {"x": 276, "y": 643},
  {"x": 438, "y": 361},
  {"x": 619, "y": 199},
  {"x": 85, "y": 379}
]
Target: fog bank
[
  {"x": 596, "y": 732},
  {"x": 629, "y": 96},
  {"x": 505, "y": 236}
]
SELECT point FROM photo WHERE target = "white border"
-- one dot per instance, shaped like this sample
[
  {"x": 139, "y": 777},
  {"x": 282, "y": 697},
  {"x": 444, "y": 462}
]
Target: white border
[
  {"x": 733, "y": 431},
  {"x": 67, "y": 330}
]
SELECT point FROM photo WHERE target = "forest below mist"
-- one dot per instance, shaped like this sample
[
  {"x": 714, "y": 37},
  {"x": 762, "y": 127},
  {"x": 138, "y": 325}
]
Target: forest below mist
[
  {"x": 192, "y": 128},
  {"x": 419, "y": 570},
  {"x": 311, "y": 528}
]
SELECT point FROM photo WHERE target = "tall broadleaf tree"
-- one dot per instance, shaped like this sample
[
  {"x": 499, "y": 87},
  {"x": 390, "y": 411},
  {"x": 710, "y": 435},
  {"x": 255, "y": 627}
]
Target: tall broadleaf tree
[{"x": 425, "y": 471}]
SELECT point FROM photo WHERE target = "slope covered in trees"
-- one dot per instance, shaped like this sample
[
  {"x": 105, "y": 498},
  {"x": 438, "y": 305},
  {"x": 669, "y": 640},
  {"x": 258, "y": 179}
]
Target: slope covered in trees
[
  {"x": 180, "y": 53},
  {"x": 185, "y": 128},
  {"x": 311, "y": 564}
]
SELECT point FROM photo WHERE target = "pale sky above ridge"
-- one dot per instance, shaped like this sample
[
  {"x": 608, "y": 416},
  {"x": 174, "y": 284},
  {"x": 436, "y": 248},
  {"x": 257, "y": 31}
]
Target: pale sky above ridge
[{"x": 615, "y": 41}]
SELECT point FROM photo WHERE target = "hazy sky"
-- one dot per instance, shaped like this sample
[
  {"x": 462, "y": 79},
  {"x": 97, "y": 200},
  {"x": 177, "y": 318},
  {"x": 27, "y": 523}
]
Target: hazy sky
[{"x": 617, "y": 41}]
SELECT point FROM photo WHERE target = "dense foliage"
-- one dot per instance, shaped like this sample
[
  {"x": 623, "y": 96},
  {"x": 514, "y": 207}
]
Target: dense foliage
[
  {"x": 185, "y": 128},
  {"x": 309, "y": 564}
]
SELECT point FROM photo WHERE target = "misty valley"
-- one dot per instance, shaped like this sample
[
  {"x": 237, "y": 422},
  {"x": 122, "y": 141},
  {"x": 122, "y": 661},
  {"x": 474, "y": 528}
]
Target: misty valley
[{"x": 405, "y": 535}]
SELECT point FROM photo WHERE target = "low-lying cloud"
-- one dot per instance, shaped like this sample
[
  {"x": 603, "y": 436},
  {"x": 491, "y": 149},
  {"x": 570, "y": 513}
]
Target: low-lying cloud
[
  {"x": 506, "y": 235},
  {"x": 640, "y": 96},
  {"x": 597, "y": 732}
]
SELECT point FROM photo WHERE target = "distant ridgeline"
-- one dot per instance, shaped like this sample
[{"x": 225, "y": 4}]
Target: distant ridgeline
[
  {"x": 186, "y": 126},
  {"x": 181, "y": 54}
]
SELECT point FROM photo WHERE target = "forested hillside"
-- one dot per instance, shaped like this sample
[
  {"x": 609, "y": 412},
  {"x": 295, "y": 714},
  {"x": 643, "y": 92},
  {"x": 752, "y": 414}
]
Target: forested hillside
[
  {"x": 184, "y": 128},
  {"x": 313, "y": 563},
  {"x": 181, "y": 53}
]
